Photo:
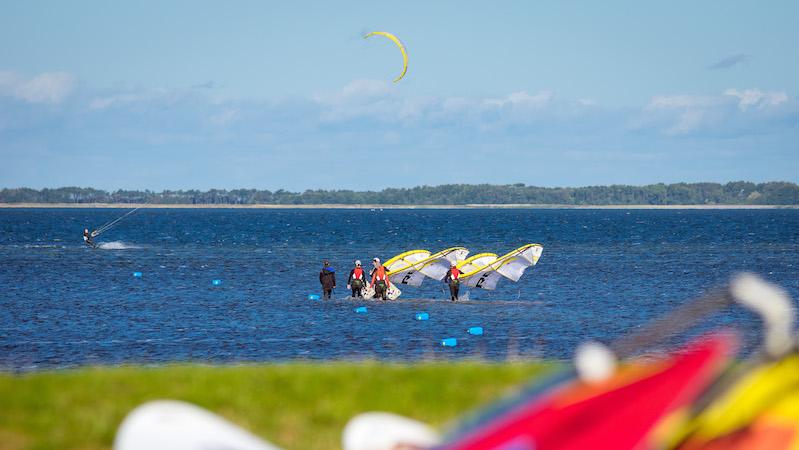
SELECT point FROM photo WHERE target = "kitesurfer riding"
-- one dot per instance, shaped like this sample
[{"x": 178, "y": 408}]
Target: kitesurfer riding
[
  {"x": 88, "y": 238},
  {"x": 356, "y": 280},
  {"x": 380, "y": 279},
  {"x": 327, "y": 277},
  {"x": 453, "y": 280}
]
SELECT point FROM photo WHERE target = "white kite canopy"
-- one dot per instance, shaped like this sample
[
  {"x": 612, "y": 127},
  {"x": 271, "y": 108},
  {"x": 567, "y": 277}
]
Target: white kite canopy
[
  {"x": 510, "y": 266},
  {"x": 406, "y": 259},
  {"x": 404, "y": 262},
  {"x": 408, "y": 268},
  {"x": 176, "y": 425},
  {"x": 476, "y": 262}
]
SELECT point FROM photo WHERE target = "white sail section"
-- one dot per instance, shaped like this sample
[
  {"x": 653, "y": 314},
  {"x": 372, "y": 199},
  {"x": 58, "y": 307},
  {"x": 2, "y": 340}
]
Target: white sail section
[
  {"x": 404, "y": 262},
  {"x": 435, "y": 266},
  {"x": 406, "y": 259},
  {"x": 476, "y": 262},
  {"x": 510, "y": 266}
]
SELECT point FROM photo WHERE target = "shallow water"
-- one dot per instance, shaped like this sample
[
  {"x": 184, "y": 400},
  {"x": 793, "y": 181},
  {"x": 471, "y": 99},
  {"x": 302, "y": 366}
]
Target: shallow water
[{"x": 603, "y": 273}]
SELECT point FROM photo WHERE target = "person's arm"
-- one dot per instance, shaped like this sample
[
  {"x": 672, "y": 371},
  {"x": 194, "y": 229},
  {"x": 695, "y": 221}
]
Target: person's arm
[
  {"x": 334, "y": 279},
  {"x": 321, "y": 273}
]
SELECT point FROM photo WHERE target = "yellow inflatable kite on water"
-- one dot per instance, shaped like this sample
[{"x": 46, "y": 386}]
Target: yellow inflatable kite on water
[{"x": 401, "y": 47}]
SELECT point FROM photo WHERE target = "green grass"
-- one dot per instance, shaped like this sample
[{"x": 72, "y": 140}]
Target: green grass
[{"x": 295, "y": 405}]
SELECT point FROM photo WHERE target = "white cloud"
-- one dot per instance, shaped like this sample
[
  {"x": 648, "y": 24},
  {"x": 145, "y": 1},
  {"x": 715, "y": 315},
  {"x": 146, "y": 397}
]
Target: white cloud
[
  {"x": 372, "y": 99},
  {"x": 679, "y": 101},
  {"x": 224, "y": 118},
  {"x": 500, "y": 133},
  {"x": 114, "y": 100},
  {"x": 749, "y": 98},
  {"x": 48, "y": 87},
  {"x": 522, "y": 98},
  {"x": 381, "y": 101},
  {"x": 357, "y": 91},
  {"x": 682, "y": 114},
  {"x": 677, "y": 114}
]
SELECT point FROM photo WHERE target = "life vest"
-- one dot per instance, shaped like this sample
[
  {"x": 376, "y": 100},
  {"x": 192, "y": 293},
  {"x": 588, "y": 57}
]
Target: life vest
[
  {"x": 379, "y": 275},
  {"x": 454, "y": 273},
  {"x": 357, "y": 273}
]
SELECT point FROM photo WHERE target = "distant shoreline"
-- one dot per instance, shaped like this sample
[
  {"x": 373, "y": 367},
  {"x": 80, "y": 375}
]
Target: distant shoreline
[{"x": 347, "y": 206}]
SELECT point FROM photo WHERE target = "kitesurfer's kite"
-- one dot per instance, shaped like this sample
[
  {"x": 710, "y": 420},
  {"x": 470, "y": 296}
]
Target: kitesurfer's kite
[
  {"x": 476, "y": 262},
  {"x": 401, "y": 47},
  {"x": 510, "y": 266},
  {"x": 621, "y": 412},
  {"x": 413, "y": 266}
]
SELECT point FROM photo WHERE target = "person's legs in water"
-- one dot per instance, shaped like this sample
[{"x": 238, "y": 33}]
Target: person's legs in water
[
  {"x": 453, "y": 291},
  {"x": 357, "y": 285},
  {"x": 327, "y": 294},
  {"x": 380, "y": 290}
]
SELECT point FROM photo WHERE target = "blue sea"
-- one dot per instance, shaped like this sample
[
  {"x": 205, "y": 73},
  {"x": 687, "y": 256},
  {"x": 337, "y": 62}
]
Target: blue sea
[{"x": 603, "y": 273}]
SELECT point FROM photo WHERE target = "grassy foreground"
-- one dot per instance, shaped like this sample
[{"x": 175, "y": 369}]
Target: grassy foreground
[{"x": 295, "y": 405}]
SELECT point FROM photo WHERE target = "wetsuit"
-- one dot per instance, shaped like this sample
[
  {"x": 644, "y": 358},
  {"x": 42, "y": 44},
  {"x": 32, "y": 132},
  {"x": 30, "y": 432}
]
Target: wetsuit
[
  {"x": 453, "y": 280},
  {"x": 87, "y": 239},
  {"x": 356, "y": 282},
  {"x": 380, "y": 282},
  {"x": 327, "y": 277}
]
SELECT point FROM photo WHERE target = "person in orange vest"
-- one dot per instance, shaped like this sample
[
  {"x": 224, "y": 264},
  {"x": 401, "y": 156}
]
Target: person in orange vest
[
  {"x": 380, "y": 279},
  {"x": 357, "y": 280},
  {"x": 454, "y": 282}
]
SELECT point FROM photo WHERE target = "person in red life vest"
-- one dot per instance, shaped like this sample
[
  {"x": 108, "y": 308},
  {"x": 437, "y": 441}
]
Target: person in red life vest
[
  {"x": 328, "y": 279},
  {"x": 454, "y": 282},
  {"x": 380, "y": 279},
  {"x": 357, "y": 280}
]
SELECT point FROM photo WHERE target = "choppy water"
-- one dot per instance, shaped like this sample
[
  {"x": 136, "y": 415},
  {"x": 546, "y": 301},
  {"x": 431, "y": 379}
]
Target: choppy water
[{"x": 603, "y": 272}]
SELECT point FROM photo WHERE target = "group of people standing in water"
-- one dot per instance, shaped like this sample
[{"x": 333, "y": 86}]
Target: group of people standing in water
[{"x": 379, "y": 280}]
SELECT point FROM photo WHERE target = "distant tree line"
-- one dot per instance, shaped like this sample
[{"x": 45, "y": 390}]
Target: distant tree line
[{"x": 733, "y": 193}]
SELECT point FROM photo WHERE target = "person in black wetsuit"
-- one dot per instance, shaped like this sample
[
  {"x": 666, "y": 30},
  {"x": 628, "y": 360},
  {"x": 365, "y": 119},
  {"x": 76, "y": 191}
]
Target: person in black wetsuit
[
  {"x": 357, "y": 280},
  {"x": 88, "y": 238},
  {"x": 453, "y": 280},
  {"x": 327, "y": 277}
]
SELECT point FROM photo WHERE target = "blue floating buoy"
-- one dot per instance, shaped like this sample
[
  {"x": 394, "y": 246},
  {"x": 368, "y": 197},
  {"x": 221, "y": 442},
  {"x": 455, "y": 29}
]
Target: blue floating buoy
[
  {"x": 422, "y": 316},
  {"x": 313, "y": 297},
  {"x": 475, "y": 331},
  {"x": 216, "y": 282},
  {"x": 137, "y": 274},
  {"x": 360, "y": 309},
  {"x": 449, "y": 342}
]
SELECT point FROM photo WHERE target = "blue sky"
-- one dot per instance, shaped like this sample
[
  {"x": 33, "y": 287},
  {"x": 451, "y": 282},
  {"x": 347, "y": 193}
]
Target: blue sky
[{"x": 288, "y": 95}]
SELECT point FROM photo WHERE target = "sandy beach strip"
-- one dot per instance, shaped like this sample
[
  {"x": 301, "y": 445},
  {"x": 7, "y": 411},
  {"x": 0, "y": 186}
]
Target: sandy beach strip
[{"x": 377, "y": 207}]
